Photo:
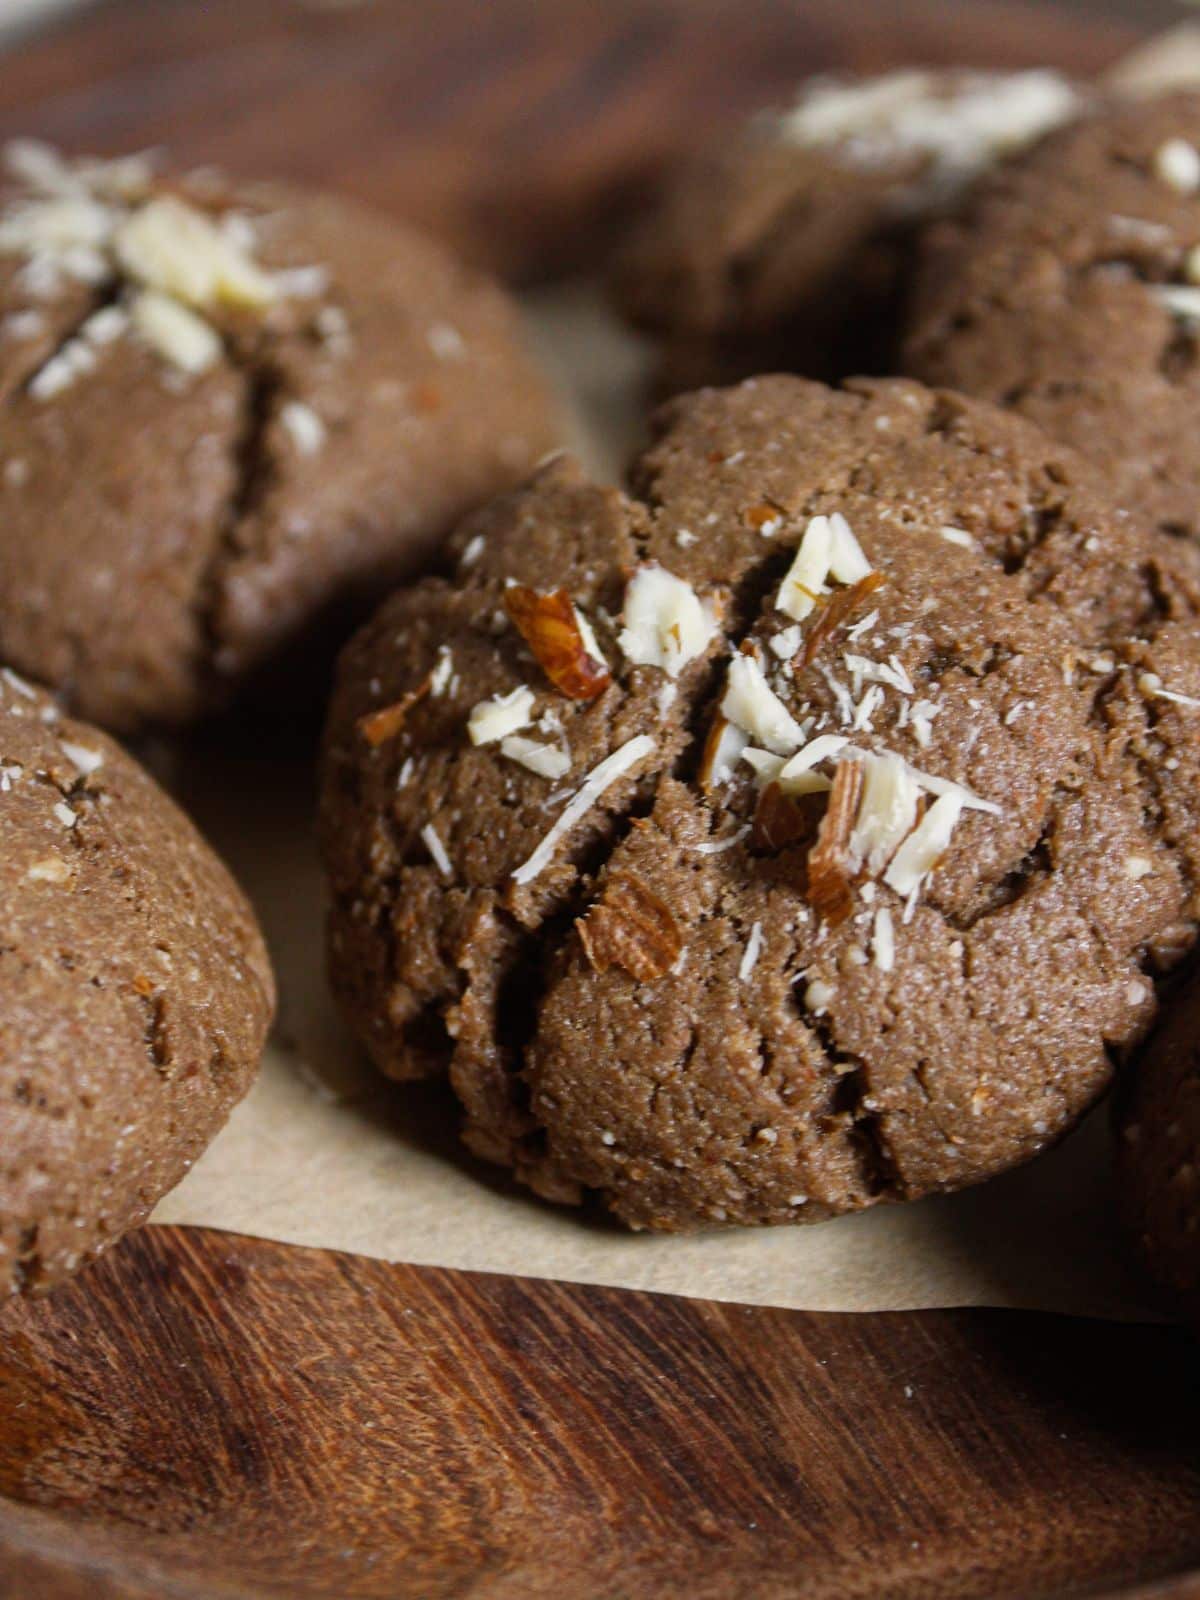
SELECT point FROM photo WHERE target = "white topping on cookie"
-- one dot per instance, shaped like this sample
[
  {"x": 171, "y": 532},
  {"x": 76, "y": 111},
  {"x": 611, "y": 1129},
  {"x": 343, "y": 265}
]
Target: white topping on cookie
[
  {"x": 178, "y": 335},
  {"x": 666, "y": 623},
  {"x": 883, "y": 940},
  {"x": 305, "y": 427},
  {"x": 494, "y": 719},
  {"x": 1177, "y": 164},
  {"x": 1151, "y": 685},
  {"x": 18, "y": 683},
  {"x": 798, "y": 776},
  {"x": 1138, "y": 867},
  {"x": 805, "y": 581},
  {"x": 953, "y": 535},
  {"x": 602, "y": 776},
  {"x": 960, "y": 125},
  {"x": 544, "y": 759},
  {"x": 170, "y": 246},
  {"x": 818, "y": 995},
  {"x": 752, "y": 705},
  {"x": 1179, "y": 300},
  {"x": 886, "y": 811},
  {"x": 437, "y": 850},
  {"x": 443, "y": 671},
  {"x": 925, "y": 846},
  {"x": 65, "y": 815},
  {"x": 87, "y": 761},
  {"x": 751, "y": 953}
]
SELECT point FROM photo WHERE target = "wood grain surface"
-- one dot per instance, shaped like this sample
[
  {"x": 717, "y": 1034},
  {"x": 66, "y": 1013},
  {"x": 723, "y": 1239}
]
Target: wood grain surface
[
  {"x": 214, "y": 1418},
  {"x": 522, "y": 130},
  {"x": 208, "y": 1415}
]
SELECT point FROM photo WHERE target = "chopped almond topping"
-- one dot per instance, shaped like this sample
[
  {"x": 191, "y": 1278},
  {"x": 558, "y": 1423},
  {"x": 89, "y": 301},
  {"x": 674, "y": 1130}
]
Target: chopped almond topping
[
  {"x": 722, "y": 750},
  {"x": 780, "y": 821},
  {"x": 377, "y": 727},
  {"x": 552, "y": 629},
  {"x": 835, "y": 611},
  {"x": 766, "y": 519},
  {"x": 830, "y": 865},
  {"x": 631, "y": 928},
  {"x": 666, "y": 623}
]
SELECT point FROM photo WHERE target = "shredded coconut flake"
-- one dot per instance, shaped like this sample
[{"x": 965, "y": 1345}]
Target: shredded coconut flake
[
  {"x": 751, "y": 953},
  {"x": 437, "y": 850},
  {"x": 883, "y": 940},
  {"x": 601, "y": 778},
  {"x": 716, "y": 847}
]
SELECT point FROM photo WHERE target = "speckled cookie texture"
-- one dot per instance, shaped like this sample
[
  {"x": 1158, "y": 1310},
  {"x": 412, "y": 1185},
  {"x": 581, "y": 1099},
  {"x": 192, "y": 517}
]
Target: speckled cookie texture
[
  {"x": 1069, "y": 291},
  {"x": 135, "y": 992},
  {"x": 803, "y": 830},
  {"x": 787, "y": 247},
  {"x": 1158, "y": 1151},
  {"x": 227, "y": 412}
]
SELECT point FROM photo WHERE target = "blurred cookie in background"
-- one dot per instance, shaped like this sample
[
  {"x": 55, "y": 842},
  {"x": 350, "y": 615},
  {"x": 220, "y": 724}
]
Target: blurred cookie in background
[
  {"x": 786, "y": 247},
  {"x": 1069, "y": 291},
  {"x": 226, "y": 416}
]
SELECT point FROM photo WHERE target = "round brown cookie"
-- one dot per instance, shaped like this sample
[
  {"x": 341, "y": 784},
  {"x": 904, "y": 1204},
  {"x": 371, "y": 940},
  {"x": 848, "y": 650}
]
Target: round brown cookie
[
  {"x": 1158, "y": 1151},
  {"x": 786, "y": 247},
  {"x": 658, "y": 955},
  {"x": 227, "y": 413},
  {"x": 1068, "y": 292},
  {"x": 136, "y": 992}
]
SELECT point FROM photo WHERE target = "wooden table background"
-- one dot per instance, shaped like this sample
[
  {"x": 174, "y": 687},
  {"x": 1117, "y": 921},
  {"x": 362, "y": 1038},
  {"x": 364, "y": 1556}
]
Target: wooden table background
[{"x": 209, "y": 1416}]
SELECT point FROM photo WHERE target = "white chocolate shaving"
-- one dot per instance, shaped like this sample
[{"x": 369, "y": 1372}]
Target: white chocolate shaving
[
  {"x": 170, "y": 246},
  {"x": 886, "y": 810},
  {"x": 437, "y": 850},
  {"x": 175, "y": 333},
  {"x": 601, "y": 778},
  {"x": 504, "y": 714},
  {"x": 805, "y": 581},
  {"x": 1177, "y": 164},
  {"x": 666, "y": 624},
  {"x": 925, "y": 846},
  {"x": 883, "y": 940},
  {"x": 547, "y": 760},
  {"x": 751, "y": 953},
  {"x": 752, "y": 705}
]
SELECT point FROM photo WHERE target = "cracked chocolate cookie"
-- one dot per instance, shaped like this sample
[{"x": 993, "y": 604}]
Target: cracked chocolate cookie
[
  {"x": 801, "y": 831},
  {"x": 786, "y": 248},
  {"x": 228, "y": 414},
  {"x": 1069, "y": 291},
  {"x": 136, "y": 992},
  {"x": 1158, "y": 1151}
]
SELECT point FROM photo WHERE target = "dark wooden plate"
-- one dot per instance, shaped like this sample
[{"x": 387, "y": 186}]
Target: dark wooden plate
[
  {"x": 210, "y": 1416},
  {"x": 206, "y": 1415}
]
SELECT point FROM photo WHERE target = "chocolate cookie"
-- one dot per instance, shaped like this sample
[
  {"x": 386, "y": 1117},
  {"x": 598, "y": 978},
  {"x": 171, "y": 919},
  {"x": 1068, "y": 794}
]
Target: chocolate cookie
[
  {"x": 136, "y": 992},
  {"x": 1070, "y": 291},
  {"x": 786, "y": 247},
  {"x": 800, "y": 833},
  {"x": 1158, "y": 1151},
  {"x": 225, "y": 413}
]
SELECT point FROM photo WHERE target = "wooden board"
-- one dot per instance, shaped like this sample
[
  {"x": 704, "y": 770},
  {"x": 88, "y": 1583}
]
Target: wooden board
[
  {"x": 215, "y": 1418},
  {"x": 207, "y": 1415}
]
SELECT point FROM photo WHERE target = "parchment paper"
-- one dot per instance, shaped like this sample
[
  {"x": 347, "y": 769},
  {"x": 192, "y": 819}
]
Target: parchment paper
[{"x": 323, "y": 1152}]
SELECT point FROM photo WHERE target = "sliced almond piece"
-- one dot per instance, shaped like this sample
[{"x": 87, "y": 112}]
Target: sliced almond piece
[
  {"x": 554, "y": 631},
  {"x": 631, "y": 928},
  {"x": 830, "y": 864}
]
